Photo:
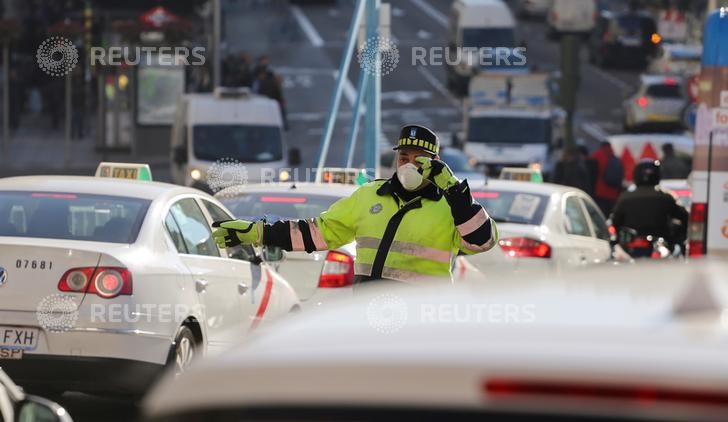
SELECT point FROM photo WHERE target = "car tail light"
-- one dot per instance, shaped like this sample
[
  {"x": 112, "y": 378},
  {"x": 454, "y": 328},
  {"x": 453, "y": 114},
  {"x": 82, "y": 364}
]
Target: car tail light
[
  {"x": 643, "y": 101},
  {"x": 561, "y": 390},
  {"x": 106, "y": 282},
  {"x": 338, "y": 270},
  {"x": 76, "y": 279},
  {"x": 523, "y": 247},
  {"x": 696, "y": 233}
]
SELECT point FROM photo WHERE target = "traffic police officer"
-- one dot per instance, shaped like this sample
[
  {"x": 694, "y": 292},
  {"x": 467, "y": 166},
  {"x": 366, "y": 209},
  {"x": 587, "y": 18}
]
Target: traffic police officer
[{"x": 407, "y": 228}]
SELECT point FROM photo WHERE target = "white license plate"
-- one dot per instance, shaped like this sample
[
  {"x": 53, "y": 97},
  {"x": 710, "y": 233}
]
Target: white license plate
[
  {"x": 19, "y": 337},
  {"x": 6, "y": 353}
]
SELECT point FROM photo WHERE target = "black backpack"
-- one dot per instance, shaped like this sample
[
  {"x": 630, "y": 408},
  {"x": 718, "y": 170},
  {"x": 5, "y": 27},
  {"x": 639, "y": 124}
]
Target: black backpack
[{"x": 614, "y": 172}]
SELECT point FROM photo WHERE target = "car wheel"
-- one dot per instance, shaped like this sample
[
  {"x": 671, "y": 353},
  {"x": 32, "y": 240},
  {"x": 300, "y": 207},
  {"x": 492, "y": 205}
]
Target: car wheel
[{"x": 185, "y": 349}]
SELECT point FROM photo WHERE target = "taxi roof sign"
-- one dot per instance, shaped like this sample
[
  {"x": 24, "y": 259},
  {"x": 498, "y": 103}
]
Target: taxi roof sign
[
  {"x": 344, "y": 175},
  {"x": 133, "y": 171},
  {"x": 522, "y": 174}
]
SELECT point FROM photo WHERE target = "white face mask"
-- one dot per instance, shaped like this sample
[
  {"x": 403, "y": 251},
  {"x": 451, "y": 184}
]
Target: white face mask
[{"x": 409, "y": 177}]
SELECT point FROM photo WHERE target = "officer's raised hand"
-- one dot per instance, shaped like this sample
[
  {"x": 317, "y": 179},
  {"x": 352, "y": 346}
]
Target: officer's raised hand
[
  {"x": 437, "y": 172},
  {"x": 231, "y": 233}
]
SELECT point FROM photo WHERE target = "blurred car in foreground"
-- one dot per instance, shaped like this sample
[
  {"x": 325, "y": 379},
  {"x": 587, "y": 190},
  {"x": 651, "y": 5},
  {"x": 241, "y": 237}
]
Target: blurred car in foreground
[
  {"x": 607, "y": 345},
  {"x": 16, "y": 406},
  {"x": 658, "y": 104},
  {"x": 677, "y": 59},
  {"x": 541, "y": 226},
  {"x": 107, "y": 282}
]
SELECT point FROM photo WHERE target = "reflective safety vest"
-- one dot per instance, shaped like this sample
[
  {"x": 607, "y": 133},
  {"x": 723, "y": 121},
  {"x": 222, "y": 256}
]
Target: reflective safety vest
[{"x": 398, "y": 240}]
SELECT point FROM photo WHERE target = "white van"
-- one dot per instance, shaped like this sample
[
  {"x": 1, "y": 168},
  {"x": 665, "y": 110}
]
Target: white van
[
  {"x": 230, "y": 125},
  {"x": 571, "y": 16},
  {"x": 479, "y": 24}
]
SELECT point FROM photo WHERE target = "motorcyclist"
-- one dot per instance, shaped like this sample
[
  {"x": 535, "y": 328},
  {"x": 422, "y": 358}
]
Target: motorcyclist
[{"x": 649, "y": 210}]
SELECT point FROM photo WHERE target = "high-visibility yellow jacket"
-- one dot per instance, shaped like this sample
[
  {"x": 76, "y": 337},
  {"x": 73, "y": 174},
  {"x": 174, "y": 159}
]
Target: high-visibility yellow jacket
[{"x": 395, "y": 239}]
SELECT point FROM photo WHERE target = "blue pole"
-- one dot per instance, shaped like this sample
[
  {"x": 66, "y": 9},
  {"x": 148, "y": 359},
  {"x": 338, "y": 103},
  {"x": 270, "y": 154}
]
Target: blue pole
[
  {"x": 343, "y": 74},
  {"x": 351, "y": 144},
  {"x": 372, "y": 118}
]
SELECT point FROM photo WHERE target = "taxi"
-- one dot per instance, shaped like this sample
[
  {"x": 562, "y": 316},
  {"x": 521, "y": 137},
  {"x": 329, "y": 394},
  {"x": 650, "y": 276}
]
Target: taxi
[
  {"x": 607, "y": 344},
  {"x": 542, "y": 226},
  {"x": 659, "y": 103},
  {"x": 106, "y": 281}
]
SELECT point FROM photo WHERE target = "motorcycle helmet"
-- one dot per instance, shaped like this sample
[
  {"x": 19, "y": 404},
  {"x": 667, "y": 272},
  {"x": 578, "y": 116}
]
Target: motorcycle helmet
[{"x": 647, "y": 173}]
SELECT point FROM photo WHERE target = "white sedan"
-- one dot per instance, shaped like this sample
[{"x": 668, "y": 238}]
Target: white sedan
[
  {"x": 541, "y": 226},
  {"x": 105, "y": 282},
  {"x": 621, "y": 344}
]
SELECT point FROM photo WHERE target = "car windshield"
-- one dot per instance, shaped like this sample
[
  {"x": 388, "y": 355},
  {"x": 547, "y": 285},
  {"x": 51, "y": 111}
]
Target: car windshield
[
  {"x": 489, "y": 37},
  {"x": 513, "y": 207},
  {"x": 245, "y": 143},
  {"x": 71, "y": 216},
  {"x": 457, "y": 161},
  {"x": 664, "y": 91},
  {"x": 509, "y": 130},
  {"x": 278, "y": 206}
]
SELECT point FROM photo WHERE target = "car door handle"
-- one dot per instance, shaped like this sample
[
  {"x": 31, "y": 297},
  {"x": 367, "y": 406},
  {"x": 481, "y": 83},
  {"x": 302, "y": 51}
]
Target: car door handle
[
  {"x": 201, "y": 285},
  {"x": 242, "y": 288}
]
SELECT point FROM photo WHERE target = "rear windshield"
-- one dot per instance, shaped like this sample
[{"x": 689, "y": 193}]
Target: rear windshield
[
  {"x": 247, "y": 144},
  {"x": 664, "y": 91},
  {"x": 278, "y": 206},
  {"x": 513, "y": 207},
  {"x": 71, "y": 216},
  {"x": 509, "y": 130}
]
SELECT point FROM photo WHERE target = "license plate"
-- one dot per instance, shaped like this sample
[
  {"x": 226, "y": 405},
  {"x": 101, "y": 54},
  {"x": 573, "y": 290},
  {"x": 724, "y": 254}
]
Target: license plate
[
  {"x": 19, "y": 337},
  {"x": 6, "y": 353}
]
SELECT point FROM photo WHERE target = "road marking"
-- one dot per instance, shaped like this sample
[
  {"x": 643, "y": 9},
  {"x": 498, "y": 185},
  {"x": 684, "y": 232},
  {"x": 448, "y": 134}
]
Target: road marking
[
  {"x": 623, "y": 86},
  {"x": 307, "y": 27},
  {"x": 593, "y": 130},
  {"x": 432, "y": 12},
  {"x": 439, "y": 87}
]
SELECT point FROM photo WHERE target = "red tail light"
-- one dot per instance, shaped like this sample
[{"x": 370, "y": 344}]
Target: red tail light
[
  {"x": 696, "y": 229},
  {"x": 643, "y": 102},
  {"x": 565, "y": 390},
  {"x": 523, "y": 247},
  {"x": 338, "y": 271},
  {"x": 106, "y": 282},
  {"x": 640, "y": 242}
]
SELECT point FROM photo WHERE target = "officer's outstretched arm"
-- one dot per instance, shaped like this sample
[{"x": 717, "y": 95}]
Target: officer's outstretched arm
[
  {"x": 332, "y": 229},
  {"x": 476, "y": 231}
]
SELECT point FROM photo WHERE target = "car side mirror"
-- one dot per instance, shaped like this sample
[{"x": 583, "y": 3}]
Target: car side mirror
[
  {"x": 294, "y": 157},
  {"x": 180, "y": 154},
  {"x": 39, "y": 409},
  {"x": 272, "y": 254}
]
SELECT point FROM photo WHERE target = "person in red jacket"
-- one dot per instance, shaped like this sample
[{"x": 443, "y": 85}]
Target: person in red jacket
[{"x": 610, "y": 174}]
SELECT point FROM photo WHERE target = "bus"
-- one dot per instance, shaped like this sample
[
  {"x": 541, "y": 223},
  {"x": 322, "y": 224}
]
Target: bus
[{"x": 708, "y": 232}]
